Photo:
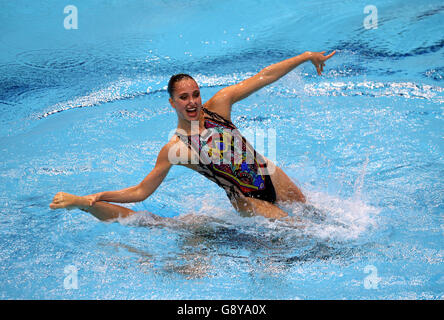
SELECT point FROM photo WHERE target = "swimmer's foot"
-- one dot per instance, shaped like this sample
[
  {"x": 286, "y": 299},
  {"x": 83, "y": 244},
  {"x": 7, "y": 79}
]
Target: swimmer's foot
[
  {"x": 68, "y": 201},
  {"x": 101, "y": 210}
]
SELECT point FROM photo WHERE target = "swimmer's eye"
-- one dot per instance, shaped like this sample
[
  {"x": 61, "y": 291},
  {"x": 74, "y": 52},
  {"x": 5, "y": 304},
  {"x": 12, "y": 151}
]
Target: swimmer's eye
[{"x": 195, "y": 95}]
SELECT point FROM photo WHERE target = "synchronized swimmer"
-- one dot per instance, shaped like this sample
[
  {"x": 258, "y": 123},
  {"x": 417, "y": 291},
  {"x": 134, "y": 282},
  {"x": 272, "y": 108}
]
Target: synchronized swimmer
[{"x": 204, "y": 134}]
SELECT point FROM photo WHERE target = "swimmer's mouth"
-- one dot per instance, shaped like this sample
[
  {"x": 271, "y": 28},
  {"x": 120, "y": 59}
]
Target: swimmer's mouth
[{"x": 191, "y": 110}]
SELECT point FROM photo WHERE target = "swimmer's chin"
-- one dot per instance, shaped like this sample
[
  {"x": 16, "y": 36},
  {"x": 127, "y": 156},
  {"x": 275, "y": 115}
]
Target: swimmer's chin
[{"x": 196, "y": 118}]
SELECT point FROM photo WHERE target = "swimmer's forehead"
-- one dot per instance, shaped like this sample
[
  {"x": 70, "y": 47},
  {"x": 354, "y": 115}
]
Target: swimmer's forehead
[{"x": 186, "y": 85}]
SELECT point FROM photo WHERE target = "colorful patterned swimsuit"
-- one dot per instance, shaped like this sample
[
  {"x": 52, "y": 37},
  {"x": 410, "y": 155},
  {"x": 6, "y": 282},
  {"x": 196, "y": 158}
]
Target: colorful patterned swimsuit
[{"x": 226, "y": 157}]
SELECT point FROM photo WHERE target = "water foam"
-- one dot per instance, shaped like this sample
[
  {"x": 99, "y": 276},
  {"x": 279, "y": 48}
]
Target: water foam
[
  {"x": 341, "y": 219},
  {"x": 408, "y": 90},
  {"x": 324, "y": 217}
]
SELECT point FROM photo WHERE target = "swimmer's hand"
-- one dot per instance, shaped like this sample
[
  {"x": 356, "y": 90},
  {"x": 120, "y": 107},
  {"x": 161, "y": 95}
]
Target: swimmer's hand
[
  {"x": 318, "y": 59},
  {"x": 92, "y": 198}
]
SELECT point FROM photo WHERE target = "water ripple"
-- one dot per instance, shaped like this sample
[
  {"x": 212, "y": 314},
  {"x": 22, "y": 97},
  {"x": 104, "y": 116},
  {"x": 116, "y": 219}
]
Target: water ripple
[{"x": 54, "y": 59}]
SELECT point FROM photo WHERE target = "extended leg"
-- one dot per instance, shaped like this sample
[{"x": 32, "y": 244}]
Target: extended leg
[{"x": 107, "y": 211}]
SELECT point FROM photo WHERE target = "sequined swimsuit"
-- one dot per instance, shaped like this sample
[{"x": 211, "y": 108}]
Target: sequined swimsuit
[{"x": 226, "y": 157}]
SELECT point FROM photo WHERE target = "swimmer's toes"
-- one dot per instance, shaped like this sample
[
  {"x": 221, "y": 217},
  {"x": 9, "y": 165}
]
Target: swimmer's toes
[{"x": 56, "y": 206}]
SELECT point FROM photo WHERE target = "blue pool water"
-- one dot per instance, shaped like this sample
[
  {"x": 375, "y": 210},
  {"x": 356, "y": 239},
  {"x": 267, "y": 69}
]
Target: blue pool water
[{"x": 86, "y": 110}]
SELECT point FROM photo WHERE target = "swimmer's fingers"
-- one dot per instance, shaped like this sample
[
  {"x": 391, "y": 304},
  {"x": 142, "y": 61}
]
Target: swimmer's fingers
[
  {"x": 319, "y": 60},
  {"x": 329, "y": 55},
  {"x": 318, "y": 69},
  {"x": 92, "y": 199}
]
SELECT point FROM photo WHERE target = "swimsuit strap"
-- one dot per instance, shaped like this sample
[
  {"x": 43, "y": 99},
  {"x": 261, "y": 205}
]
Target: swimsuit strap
[
  {"x": 218, "y": 118},
  {"x": 183, "y": 137}
]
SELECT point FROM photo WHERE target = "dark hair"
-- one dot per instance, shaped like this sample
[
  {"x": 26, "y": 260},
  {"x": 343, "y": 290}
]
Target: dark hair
[{"x": 176, "y": 78}]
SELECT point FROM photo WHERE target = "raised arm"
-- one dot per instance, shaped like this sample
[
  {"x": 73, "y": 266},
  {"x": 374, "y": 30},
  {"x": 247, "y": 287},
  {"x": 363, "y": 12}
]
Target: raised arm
[{"x": 225, "y": 98}]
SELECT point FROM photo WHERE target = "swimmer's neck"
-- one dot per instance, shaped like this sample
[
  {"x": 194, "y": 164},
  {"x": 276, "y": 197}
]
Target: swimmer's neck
[{"x": 191, "y": 127}]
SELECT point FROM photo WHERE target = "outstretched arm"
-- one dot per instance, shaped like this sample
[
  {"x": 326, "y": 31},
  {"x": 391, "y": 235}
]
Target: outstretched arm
[{"x": 225, "y": 98}]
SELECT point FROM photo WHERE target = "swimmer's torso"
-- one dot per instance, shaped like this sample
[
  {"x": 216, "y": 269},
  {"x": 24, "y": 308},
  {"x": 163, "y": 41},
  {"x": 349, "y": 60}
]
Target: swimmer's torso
[{"x": 224, "y": 156}]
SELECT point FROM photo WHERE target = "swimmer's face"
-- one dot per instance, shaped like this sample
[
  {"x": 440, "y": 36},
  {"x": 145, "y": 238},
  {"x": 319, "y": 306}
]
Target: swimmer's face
[{"x": 186, "y": 99}]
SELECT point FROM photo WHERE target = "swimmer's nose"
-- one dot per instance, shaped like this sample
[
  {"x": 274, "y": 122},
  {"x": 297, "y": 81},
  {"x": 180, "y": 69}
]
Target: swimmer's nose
[{"x": 192, "y": 101}]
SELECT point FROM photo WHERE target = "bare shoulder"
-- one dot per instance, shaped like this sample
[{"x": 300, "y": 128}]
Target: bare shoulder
[
  {"x": 221, "y": 103},
  {"x": 171, "y": 143},
  {"x": 173, "y": 152}
]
